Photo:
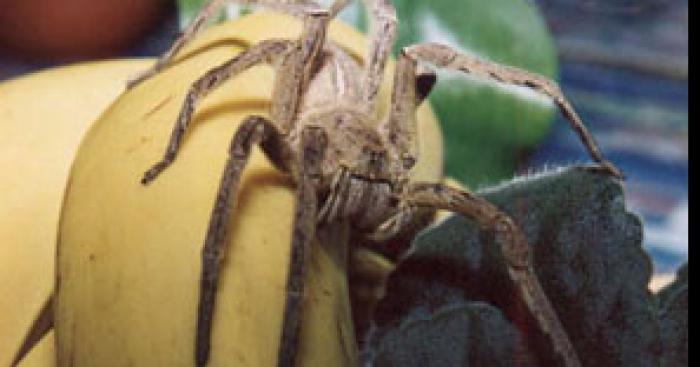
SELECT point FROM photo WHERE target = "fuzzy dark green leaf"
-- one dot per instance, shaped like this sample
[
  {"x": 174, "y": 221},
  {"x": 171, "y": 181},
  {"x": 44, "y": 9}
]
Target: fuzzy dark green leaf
[
  {"x": 586, "y": 251},
  {"x": 673, "y": 316},
  {"x": 459, "y": 334}
]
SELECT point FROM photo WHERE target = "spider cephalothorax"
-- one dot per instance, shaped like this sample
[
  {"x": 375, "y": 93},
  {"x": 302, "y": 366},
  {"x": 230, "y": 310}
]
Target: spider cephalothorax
[{"x": 347, "y": 168}]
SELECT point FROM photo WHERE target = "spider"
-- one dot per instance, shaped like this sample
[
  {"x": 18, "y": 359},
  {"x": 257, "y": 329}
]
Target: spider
[{"x": 320, "y": 132}]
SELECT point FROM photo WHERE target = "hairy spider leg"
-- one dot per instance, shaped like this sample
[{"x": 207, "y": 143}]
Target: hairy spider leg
[
  {"x": 258, "y": 130},
  {"x": 264, "y": 51},
  {"x": 383, "y": 34},
  {"x": 314, "y": 142},
  {"x": 296, "y": 69},
  {"x": 399, "y": 131},
  {"x": 337, "y": 7},
  {"x": 254, "y": 130},
  {"x": 294, "y": 63},
  {"x": 399, "y": 128},
  {"x": 446, "y": 57},
  {"x": 513, "y": 246},
  {"x": 204, "y": 14},
  {"x": 300, "y": 8}
]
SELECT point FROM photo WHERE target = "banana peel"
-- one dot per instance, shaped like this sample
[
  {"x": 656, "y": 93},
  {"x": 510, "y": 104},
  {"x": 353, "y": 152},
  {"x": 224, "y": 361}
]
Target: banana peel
[
  {"x": 43, "y": 354},
  {"x": 129, "y": 256},
  {"x": 43, "y": 116}
]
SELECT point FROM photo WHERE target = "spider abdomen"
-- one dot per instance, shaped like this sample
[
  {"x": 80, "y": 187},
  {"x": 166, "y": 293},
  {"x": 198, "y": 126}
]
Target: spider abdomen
[{"x": 335, "y": 81}]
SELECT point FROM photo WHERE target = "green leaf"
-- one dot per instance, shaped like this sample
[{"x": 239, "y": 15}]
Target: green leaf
[
  {"x": 587, "y": 253},
  {"x": 673, "y": 316},
  {"x": 460, "y": 334}
]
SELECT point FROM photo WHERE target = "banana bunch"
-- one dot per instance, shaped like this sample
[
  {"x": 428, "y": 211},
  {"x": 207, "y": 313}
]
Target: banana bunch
[
  {"x": 43, "y": 116},
  {"x": 128, "y": 258}
]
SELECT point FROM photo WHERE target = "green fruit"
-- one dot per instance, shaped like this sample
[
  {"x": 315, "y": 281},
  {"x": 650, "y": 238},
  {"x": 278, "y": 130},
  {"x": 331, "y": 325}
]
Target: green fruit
[{"x": 487, "y": 126}]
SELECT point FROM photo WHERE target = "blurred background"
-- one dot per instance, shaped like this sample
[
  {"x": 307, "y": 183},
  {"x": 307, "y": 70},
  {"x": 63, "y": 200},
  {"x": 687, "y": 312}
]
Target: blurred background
[{"x": 623, "y": 64}]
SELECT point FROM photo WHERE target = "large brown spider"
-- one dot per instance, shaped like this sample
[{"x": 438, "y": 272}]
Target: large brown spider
[{"x": 346, "y": 170}]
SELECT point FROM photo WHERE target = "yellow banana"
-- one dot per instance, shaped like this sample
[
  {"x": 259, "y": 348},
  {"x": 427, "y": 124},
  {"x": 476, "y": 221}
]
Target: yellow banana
[
  {"x": 128, "y": 258},
  {"x": 43, "y": 116},
  {"x": 43, "y": 354}
]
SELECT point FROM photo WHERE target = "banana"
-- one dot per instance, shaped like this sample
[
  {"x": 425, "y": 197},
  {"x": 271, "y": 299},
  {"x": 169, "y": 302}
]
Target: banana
[
  {"x": 43, "y": 116},
  {"x": 128, "y": 255},
  {"x": 43, "y": 354}
]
